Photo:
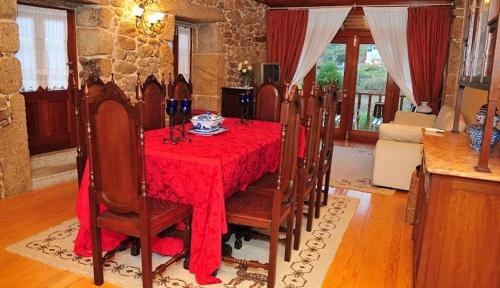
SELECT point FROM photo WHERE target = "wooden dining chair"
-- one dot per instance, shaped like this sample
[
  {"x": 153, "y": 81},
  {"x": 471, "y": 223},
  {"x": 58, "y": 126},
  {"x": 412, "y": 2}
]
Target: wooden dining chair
[
  {"x": 154, "y": 103},
  {"x": 271, "y": 200},
  {"x": 94, "y": 83},
  {"x": 308, "y": 165},
  {"x": 327, "y": 144},
  {"x": 268, "y": 102},
  {"x": 179, "y": 88},
  {"x": 115, "y": 142}
]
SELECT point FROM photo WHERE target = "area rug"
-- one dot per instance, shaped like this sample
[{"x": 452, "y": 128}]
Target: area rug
[
  {"x": 352, "y": 169},
  {"x": 307, "y": 267}
]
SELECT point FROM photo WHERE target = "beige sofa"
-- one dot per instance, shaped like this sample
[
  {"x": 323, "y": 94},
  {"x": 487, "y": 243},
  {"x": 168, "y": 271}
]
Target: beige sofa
[{"x": 399, "y": 148}]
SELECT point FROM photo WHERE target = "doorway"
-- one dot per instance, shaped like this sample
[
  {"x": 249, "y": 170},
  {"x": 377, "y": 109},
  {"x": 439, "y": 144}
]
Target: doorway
[
  {"x": 47, "y": 53},
  {"x": 368, "y": 96}
]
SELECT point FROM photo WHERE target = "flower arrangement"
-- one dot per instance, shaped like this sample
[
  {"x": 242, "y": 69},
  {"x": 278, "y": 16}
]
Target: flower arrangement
[{"x": 246, "y": 72}]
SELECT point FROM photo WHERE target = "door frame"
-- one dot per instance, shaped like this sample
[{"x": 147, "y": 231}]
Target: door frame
[{"x": 72, "y": 67}]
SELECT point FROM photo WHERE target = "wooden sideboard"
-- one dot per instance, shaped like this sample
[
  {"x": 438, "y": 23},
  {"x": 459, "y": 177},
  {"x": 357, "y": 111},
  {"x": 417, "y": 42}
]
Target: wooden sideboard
[
  {"x": 230, "y": 103},
  {"x": 457, "y": 222}
]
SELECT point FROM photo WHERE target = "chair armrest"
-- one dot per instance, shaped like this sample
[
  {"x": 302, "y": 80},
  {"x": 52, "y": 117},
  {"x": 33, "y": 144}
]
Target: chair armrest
[
  {"x": 414, "y": 119},
  {"x": 401, "y": 133}
]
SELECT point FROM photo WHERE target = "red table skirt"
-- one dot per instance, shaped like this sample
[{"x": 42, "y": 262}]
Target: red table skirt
[{"x": 201, "y": 173}]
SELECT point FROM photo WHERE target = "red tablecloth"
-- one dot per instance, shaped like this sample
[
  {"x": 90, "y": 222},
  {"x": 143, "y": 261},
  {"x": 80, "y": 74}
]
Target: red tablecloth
[{"x": 201, "y": 173}]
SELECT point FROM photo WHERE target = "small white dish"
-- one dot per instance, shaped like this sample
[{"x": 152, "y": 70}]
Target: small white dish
[{"x": 207, "y": 133}]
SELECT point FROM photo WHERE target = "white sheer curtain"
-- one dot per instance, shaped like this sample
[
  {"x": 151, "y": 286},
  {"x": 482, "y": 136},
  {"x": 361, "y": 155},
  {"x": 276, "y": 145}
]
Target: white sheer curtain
[
  {"x": 322, "y": 25},
  {"x": 43, "y": 35},
  {"x": 388, "y": 28},
  {"x": 184, "y": 51}
]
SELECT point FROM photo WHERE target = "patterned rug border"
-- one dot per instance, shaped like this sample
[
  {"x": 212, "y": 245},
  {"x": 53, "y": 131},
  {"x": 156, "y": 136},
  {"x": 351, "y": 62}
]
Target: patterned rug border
[{"x": 326, "y": 233}]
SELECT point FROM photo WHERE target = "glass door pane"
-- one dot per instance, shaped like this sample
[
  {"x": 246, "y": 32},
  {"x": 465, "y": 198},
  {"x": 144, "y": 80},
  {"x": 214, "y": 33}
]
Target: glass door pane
[
  {"x": 331, "y": 67},
  {"x": 369, "y": 97}
]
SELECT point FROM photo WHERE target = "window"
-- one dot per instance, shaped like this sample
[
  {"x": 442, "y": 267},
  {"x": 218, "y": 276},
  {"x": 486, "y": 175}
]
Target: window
[
  {"x": 43, "y": 35},
  {"x": 182, "y": 50}
]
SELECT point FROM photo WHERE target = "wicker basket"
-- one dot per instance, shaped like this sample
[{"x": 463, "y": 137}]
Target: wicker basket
[{"x": 412, "y": 198}]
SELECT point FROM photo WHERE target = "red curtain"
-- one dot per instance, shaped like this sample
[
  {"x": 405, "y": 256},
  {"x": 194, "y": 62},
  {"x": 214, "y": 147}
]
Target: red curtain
[
  {"x": 428, "y": 37},
  {"x": 286, "y": 31}
]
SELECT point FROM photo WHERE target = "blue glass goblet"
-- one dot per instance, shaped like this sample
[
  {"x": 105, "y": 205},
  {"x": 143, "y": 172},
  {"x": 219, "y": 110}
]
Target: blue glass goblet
[
  {"x": 185, "y": 105},
  {"x": 171, "y": 109},
  {"x": 242, "y": 99}
]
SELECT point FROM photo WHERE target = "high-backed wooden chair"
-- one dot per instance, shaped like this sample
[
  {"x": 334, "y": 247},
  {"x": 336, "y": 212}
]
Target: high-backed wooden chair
[
  {"x": 94, "y": 84},
  {"x": 118, "y": 180},
  {"x": 268, "y": 102},
  {"x": 308, "y": 165},
  {"x": 178, "y": 89},
  {"x": 154, "y": 103},
  {"x": 327, "y": 144},
  {"x": 271, "y": 200}
]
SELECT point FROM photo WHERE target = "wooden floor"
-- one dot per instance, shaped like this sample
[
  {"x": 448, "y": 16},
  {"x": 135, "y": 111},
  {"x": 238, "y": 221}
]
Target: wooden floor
[{"x": 375, "y": 250}]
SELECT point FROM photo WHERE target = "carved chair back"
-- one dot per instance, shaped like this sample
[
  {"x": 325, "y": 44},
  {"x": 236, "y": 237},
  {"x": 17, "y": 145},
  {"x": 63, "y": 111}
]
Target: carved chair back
[
  {"x": 94, "y": 84},
  {"x": 179, "y": 88},
  {"x": 268, "y": 102},
  {"x": 328, "y": 125},
  {"x": 116, "y": 149},
  {"x": 312, "y": 118},
  {"x": 154, "y": 103},
  {"x": 290, "y": 126}
]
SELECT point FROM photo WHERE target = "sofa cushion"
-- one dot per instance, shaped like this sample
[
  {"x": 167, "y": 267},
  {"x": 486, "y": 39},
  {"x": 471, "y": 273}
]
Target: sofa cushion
[
  {"x": 445, "y": 119},
  {"x": 414, "y": 119},
  {"x": 401, "y": 133}
]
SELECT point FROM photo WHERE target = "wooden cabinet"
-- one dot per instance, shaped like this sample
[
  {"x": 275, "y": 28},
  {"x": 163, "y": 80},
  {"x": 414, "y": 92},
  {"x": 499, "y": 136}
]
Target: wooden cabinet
[
  {"x": 231, "y": 102},
  {"x": 457, "y": 222}
]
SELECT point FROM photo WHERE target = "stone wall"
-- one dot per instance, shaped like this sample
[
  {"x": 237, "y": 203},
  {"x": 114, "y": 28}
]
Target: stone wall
[
  {"x": 226, "y": 32},
  {"x": 15, "y": 176},
  {"x": 455, "y": 50}
]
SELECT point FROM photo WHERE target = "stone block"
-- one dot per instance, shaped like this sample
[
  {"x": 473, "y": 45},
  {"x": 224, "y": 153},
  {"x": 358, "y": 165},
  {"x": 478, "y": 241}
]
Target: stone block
[
  {"x": 208, "y": 73},
  {"x": 127, "y": 28},
  {"x": 209, "y": 40},
  {"x": 10, "y": 75},
  {"x": 94, "y": 17},
  {"x": 94, "y": 41},
  {"x": 100, "y": 65},
  {"x": 8, "y": 9},
  {"x": 168, "y": 31},
  {"x": 145, "y": 50},
  {"x": 14, "y": 155},
  {"x": 9, "y": 37},
  {"x": 456, "y": 28},
  {"x": 190, "y": 11},
  {"x": 126, "y": 43},
  {"x": 124, "y": 67},
  {"x": 454, "y": 57},
  {"x": 119, "y": 54}
]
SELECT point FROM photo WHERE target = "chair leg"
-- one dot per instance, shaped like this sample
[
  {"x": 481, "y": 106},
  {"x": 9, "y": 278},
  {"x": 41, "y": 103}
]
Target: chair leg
[
  {"x": 273, "y": 254},
  {"x": 317, "y": 201},
  {"x": 187, "y": 242},
  {"x": 298, "y": 217},
  {"x": 97, "y": 249},
  {"x": 146, "y": 258},
  {"x": 310, "y": 209},
  {"x": 289, "y": 233},
  {"x": 327, "y": 187}
]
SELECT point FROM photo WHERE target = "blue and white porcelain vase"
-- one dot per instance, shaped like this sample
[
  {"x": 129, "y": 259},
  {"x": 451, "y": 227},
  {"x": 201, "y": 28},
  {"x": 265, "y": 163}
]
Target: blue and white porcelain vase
[{"x": 476, "y": 132}]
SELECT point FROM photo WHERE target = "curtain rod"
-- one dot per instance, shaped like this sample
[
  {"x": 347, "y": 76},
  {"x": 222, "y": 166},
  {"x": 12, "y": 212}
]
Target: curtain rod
[{"x": 364, "y": 5}]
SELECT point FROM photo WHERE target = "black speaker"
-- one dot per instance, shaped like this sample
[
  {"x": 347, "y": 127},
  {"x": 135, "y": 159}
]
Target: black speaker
[{"x": 270, "y": 72}]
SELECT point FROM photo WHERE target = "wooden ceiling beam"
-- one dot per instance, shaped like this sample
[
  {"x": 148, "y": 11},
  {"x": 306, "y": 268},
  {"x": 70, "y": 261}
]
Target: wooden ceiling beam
[{"x": 314, "y": 3}]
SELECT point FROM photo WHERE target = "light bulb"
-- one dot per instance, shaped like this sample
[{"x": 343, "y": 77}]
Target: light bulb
[
  {"x": 152, "y": 18},
  {"x": 159, "y": 16},
  {"x": 138, "y": 10}
]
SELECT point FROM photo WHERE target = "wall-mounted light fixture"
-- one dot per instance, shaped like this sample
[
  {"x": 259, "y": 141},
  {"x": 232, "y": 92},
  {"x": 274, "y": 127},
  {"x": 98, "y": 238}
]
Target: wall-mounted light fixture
[{"x": 148, "y": 19}]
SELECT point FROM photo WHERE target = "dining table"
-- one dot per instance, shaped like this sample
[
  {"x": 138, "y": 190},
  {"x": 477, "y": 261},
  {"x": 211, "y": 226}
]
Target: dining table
[{"x": 202, "y": 173}]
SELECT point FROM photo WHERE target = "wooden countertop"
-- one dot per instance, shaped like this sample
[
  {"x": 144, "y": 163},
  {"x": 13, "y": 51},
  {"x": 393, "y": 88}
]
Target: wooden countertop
[{"x": 449, "y": 154}]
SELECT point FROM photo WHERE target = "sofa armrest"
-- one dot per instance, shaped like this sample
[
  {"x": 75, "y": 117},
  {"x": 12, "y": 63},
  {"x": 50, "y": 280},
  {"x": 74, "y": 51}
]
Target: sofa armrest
[
  {"x": 414, "y": 119},
  {"x": 401, "y": 133}
]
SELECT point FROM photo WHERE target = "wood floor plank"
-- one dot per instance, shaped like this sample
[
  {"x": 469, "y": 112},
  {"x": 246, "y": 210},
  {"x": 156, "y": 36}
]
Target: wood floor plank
[{"x": 375, "y": 250}]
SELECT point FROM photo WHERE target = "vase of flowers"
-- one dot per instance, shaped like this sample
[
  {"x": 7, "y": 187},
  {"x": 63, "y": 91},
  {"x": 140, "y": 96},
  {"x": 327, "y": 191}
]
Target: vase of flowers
[{"x": 246, "y": 73}]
